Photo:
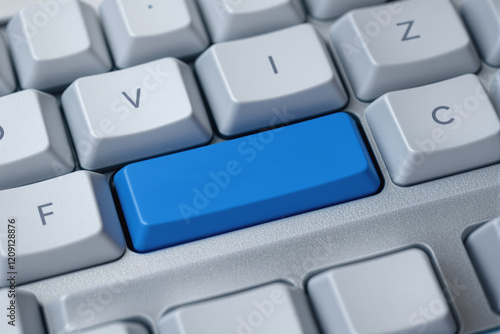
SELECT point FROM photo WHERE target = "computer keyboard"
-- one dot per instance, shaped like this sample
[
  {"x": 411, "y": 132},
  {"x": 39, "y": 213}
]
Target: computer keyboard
[{"x": 250, "y": 166}]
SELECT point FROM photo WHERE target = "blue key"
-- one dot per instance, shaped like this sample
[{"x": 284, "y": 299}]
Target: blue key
[{"x": 246, "y": 181}]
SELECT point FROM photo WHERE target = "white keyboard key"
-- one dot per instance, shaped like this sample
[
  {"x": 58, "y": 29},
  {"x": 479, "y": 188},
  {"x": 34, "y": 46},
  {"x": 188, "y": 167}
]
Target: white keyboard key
[
  {"x": 271, "y": 309},
  {"x": 437, "y": 130},
  {"x": 329, "y": 9},
  {"x": 135, "y": 113},
  {"x": 396, "y": 293},
  {"x": 11, "y": 7},
  {"x": 235, "y": 19},
  {"x": 272, "y": 79},
  {"x": 139, "y": 31},
  {"x": 23, "y": 314},
  {"x": 117, "y": 328},
  {"x": 33, "y": 141},
  {"x": 52, "y": 46},
  {"x": 483, "y": 19},
  {"x": 401, "y": 45},
  {"x": 58, "y": 226},
  {"x": 7, "y": 79},
  {"x": 483, "y": 246}
]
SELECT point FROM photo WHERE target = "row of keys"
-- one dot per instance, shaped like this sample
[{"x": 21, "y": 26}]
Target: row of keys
[
  {"x": 156, "y": 108},
  {"x": 392, "y": 293},
  {"x": 45, "y": 51},
  {"x": 397, "y": 292}
]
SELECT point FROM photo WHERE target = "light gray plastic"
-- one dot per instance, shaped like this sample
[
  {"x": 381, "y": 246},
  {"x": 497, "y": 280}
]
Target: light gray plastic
[{"x": 433, "y": 214}]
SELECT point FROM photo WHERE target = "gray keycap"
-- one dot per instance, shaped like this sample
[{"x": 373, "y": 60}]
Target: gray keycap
[
  {"x": 483, "y": 19},
  {"x": 329, "y": 9},
  {"x": 121, "y": 327},
  {"x": 436, "y": 130},
  {"x": 135, "y": 113},
  {"x": 401, "y": 45},
  {"x": 142, "y": 31},
  {"x": 268, "y": 80},
  {"x": 60, "y": 225},
  {"x": 391, "y": 294},
  {"x": 33, "y": 141},
  {"x": 235, "y": 19},
  {"x": 495, "y": 90},
  {"x": 483, "y": 246},
  {"x": 54, "y": 44},
  {"x": 271, "y": 309},
  {"x": 11, "y": 7},
  {"x": 7, "y": 80},
  {"x": 22, "y": 312}
]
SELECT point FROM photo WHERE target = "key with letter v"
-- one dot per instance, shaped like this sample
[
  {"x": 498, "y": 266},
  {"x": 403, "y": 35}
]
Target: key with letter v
[{"x": 137, "y": 98}]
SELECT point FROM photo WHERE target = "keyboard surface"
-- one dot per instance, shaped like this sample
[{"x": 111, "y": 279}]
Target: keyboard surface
[{"x": 277, "y": 255}]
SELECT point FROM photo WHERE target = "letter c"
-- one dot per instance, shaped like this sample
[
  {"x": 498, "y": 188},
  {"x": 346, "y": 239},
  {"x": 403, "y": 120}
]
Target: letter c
[
  {"x": 434, "y": 116},
  {"x": 1, "y": 133}
]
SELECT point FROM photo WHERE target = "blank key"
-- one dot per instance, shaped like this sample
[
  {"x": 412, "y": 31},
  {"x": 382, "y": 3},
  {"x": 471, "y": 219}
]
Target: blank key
[
  {"x": 484, "y": 249},
  {"x": 436, "y": 130},
  {"x": 272, "y": 309},
  {"x": 483, "y": 19},
  {"x": 401, "y": 45},
  {"x": 55, "y": 43},
  {"x": 7, "y": 80},
  {"x": 392, "y": 294}
]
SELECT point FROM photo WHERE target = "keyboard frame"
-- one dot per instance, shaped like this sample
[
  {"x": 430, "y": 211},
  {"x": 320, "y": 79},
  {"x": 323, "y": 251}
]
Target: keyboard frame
[{"x": 435, "y": 216}]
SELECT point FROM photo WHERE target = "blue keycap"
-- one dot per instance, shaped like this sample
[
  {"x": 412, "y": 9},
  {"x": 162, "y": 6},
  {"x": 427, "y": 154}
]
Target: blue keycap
[{"x": 246, "y": 181}]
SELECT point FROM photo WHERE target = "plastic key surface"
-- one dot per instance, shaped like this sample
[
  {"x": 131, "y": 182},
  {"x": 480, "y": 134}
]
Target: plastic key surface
[
  {"x": 392, "y": 294},
  {"x": 135, "y": 113},
  {"x": 246, "y": 181},
  {"x": 7, "y": 80},
  {"x": 56, "y": 43},
  {"x": 122, "y": 327},
  {"x": 483, "y": 19},
  {"x": 437, "y": 130},
  {"x": 60, "y": 225},
  {"x": 329, "y": 9},
  {"x": 142, "y": 31},
  {"x": 484, "y": 249},
  {"x": 33, "y": 143},
  {"x": 271, "y": 309},
  {"x": 230, "y": 19},
  {"x": 276, "y": 78},
  {"x": 401, "y": 45}
]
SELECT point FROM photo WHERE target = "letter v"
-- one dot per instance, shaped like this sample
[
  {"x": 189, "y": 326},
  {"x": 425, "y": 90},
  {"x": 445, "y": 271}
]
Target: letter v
[{"x": 137, "y": 98}]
